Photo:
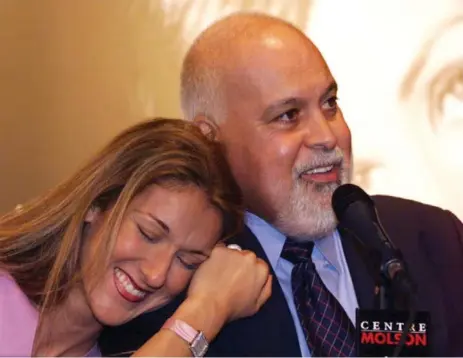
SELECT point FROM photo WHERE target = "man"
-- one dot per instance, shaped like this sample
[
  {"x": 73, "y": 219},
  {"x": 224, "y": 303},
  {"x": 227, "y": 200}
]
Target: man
[{"x": 260, "y": 87}]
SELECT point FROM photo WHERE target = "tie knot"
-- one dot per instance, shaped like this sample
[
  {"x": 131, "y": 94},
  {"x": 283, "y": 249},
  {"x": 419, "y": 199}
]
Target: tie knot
[{"x": 296, "y": 252}]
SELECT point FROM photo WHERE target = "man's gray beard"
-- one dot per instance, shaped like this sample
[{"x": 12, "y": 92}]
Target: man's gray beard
[{"x": 308, "y": 215}]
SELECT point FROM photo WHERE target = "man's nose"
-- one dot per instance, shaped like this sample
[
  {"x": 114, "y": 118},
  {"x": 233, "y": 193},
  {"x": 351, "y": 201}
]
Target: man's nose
[{"x": 319, "y": 134}]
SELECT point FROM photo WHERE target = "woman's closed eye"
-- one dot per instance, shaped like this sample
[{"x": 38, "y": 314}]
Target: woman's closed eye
[
  {"x": 191, "y": 261},
  {"x": 147, "y": 235}
]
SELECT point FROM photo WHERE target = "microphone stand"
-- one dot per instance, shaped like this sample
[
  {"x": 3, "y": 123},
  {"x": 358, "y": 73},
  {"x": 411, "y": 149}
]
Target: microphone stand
[
  {"x": 382, "y": 297},
  {"x": 378, "y": 270},
  {"x": 409, "y": 296},
  {"x": 398, "y": 292}
]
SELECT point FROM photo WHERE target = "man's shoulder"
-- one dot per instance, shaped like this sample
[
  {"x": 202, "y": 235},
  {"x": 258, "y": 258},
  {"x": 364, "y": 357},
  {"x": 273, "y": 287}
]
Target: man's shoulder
[
  {"x": 408, "y": 216},
  {"x": 387, "y": 200},
  {"x": 406, "y": 208}
]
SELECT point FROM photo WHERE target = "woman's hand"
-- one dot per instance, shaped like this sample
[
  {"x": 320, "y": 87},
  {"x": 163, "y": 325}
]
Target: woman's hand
[
  {"x": 231, "y": 284},
  {"x": 235, "y": 283}
]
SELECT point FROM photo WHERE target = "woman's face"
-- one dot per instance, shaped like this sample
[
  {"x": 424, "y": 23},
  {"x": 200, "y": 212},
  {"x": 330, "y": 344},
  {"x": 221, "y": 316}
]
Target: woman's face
[{"x": 165, "y": 234}]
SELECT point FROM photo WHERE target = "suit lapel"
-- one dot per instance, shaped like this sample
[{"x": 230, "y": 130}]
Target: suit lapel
[{"x": 270, "y": 332}]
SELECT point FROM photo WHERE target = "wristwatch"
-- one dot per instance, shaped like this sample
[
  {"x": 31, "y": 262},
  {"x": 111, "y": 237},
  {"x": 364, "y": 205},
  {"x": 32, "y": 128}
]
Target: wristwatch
[{"x": 196, "y": 340}]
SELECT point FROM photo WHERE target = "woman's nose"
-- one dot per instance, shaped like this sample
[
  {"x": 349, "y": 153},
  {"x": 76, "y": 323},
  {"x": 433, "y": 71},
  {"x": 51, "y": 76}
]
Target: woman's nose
[{"x": 156, "y": 268}]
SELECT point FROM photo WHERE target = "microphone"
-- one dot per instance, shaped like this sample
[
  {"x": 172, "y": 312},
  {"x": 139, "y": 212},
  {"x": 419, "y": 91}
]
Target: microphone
[
  {"x": 356, "y": 212},
  {"x": 391, "y": 331}
]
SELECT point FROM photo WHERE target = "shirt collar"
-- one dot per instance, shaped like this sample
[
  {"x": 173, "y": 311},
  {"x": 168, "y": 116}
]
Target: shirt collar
[{"x": 273, "y": 240}]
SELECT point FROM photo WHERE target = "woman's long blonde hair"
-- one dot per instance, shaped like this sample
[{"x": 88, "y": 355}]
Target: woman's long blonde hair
[{"x": 40, "y": 244}]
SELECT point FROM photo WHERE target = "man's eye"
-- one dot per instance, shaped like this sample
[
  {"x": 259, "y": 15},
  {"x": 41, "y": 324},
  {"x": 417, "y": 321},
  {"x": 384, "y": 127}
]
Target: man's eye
[
  {"x": 331, "y": 103},
  {"x": 288, "y": 116}
]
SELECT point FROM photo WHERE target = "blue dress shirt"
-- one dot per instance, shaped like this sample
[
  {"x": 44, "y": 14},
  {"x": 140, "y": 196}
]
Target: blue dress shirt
[{"x": 330, "y": 263}]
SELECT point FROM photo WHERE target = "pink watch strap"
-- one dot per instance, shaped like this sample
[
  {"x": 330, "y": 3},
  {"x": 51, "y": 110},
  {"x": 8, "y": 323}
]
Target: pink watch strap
[{"x": 181, "y": 328}]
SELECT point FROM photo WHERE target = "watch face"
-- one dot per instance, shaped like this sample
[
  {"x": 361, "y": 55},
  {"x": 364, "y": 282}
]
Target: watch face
[{"x": 199, "y": 345}]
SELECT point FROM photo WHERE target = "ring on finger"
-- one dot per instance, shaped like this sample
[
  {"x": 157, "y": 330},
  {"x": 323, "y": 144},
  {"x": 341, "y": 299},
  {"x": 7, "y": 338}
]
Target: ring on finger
[{"x": 235, "y": 247}]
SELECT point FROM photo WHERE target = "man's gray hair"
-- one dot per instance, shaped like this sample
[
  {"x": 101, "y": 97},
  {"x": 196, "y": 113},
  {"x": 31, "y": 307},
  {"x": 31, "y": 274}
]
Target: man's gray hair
[
  {"x": 200, "y": 90},
  {"x": 207, "y": 62}
]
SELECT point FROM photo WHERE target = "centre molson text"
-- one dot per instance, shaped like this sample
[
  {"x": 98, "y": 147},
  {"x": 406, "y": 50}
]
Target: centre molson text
[{"x": 389, "y": 333}]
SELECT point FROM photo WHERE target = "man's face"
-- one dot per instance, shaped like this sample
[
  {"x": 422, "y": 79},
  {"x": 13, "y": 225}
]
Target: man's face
[
  {"x": 286, "y": 139},
  {"x": 402, "y": 92}
]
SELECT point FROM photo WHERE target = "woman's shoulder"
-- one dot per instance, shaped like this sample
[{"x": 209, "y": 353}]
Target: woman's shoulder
[
  {"x": 7, "y": 285},
  {"x": 9, "y": 289},
  {"x": 11, "y": 295},
  {"x": 18, "y": 318}
]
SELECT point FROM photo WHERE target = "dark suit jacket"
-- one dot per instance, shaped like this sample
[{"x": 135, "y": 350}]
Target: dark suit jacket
[{"x": 431, "y": 241}]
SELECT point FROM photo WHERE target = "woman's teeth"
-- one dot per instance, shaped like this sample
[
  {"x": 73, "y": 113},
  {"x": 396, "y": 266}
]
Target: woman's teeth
[{"x": 127, "y": 284}]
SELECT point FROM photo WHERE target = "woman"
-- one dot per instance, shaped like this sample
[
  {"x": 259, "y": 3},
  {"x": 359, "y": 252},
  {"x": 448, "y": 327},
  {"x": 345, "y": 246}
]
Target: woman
[{"x": 124, "y": 236}]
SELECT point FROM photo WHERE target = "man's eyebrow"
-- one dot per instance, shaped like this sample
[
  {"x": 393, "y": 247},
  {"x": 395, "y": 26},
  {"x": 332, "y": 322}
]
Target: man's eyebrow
[
  {"x": 295, "y": 101},
  {"x": 419, "y": 62},
  {"x": 287, "y": 102},
  {"x": 333, "y": 87}
]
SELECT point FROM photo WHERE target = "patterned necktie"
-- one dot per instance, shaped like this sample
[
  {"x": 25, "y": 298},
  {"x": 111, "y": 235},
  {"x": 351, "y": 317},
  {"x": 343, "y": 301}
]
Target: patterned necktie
[{"x": 327, "y": 328}]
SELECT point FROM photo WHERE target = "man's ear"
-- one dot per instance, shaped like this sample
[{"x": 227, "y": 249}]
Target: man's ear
[
  {"x": 92, "y": 214},
  {"x": 207, "y": 126}
]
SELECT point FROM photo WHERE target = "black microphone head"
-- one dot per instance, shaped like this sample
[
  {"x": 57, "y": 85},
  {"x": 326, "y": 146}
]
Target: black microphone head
[
  {"x": 356, "y": 212},
  {"x": 347, "y": 194}
]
